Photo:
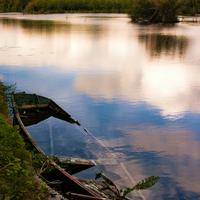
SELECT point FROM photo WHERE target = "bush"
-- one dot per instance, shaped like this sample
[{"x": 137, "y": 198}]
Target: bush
[
  {"x": 155, "y": 11},
  {"x": 142, "y": 10}
]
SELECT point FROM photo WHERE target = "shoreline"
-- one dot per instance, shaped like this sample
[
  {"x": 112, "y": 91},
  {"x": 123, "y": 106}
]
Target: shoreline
[
  {"x": 65, "y": 15},
  {"x": 60, "y": 17},
  {"x": 17, "y": 163}
]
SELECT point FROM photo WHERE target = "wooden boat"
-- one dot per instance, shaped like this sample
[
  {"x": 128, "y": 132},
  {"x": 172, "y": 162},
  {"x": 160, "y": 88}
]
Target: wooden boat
[
  {"x": 30, "y": 109},
  {"x": 34, "y": 108}
]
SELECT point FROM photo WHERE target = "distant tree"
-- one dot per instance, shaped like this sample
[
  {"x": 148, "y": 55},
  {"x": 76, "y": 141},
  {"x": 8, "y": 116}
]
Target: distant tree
[
  {"x": 13, "y": 5},
  {"x": 155, "y": 11},
  {"x": 151, "y": 11},
  {"x": 190, "y": 7}
]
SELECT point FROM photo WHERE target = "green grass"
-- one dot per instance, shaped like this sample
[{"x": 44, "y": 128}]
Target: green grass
[
  {"x": 3, "y": 106},
  {"x": 17, "y": 165}
]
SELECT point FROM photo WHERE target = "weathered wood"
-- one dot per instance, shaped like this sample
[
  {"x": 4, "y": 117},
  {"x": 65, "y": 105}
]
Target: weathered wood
[
  {"x": 25, "y": 107},
  {"x": 75, "y": 165},
  {"x": 34, "y": 108},
  {"x": 76, "y": 196},
  {"x": 67, "y": 182}
]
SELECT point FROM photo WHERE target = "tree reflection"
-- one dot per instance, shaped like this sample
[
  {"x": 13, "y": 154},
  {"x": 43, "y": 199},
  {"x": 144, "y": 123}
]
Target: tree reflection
[
  {"x": 30, "y": 25},
  {"x": 157, "y": 44}
]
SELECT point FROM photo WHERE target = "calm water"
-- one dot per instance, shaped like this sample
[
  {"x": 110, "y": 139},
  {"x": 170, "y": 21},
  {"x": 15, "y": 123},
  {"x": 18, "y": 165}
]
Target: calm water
[{"x": 135, "y": 88}]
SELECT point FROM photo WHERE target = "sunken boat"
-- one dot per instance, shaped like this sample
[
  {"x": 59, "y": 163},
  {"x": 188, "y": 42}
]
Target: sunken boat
[{"x": 29, "y": 109}]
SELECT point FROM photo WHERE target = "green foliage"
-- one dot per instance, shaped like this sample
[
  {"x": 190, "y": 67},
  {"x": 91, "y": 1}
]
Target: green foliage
[
  {"x": 13, "y": 5},
  {"x": 52, "y": 6},
  {"x": 190, "y": 7},
  {"x": 121, "y": 194},
  {"x": 139, "y": 7},
  {"x": 41, "y": 6},
  {"x": 3, "y": 106},
  {"x": 18, "y": 167},
  {"x": 142, "y": 10},
  {"x": 142, "y": 185},
  {"x": 154, "y": 11}
]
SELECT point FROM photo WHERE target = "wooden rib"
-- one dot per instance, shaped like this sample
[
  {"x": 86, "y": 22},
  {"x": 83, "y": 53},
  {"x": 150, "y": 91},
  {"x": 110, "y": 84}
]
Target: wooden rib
[
  {"x": 33, "y": 106},
  {"x": 81, "y": 196}
]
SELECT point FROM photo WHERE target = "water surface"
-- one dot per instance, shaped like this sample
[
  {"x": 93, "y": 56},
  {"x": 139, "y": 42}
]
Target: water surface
[{"x": 135, "y": 88}]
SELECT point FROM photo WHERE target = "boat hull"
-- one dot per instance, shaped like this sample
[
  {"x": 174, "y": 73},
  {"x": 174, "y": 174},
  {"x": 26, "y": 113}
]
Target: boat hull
[{"x": 68, "y": 184}]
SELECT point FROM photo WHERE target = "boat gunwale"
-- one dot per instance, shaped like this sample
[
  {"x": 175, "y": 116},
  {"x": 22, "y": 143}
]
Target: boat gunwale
[{"x": 65, "y": 174}]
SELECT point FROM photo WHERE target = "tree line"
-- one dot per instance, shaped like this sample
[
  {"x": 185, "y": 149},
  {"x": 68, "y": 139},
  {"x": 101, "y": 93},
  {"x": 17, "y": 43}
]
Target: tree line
[
  {"x": 53, "y": 6},
  {"x": 186, "y": 7}
]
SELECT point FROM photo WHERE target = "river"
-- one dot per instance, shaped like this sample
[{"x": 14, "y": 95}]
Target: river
[{"x": 135, "y": 88}]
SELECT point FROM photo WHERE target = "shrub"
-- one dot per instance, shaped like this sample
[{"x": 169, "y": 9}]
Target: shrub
[{"x": 155, "y": 11}]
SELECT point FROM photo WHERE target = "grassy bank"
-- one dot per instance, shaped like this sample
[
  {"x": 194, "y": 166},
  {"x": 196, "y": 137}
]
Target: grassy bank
[{"x": 18, "y": 167}]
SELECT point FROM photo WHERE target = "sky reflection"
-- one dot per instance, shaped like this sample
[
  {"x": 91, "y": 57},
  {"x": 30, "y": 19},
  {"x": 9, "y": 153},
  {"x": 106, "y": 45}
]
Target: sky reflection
[{"x": 135, "y": 88}]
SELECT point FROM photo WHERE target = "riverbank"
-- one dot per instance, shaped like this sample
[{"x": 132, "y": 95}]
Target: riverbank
[{"x": 18, "y": 167}]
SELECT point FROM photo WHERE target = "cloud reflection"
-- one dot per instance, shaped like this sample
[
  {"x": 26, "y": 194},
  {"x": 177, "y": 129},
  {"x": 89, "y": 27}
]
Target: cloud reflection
[
  {"x": 84, "y": 44},
  {"x": 176, "y": 152},
  {"x": 167, "y": 85},
  {"x": 180, "y": 149}
]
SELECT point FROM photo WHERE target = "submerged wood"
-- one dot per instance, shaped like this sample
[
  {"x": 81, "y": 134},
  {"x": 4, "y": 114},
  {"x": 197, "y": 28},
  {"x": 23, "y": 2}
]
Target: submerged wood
[
  {"x": 74, "y": 165},
  {"x": 30, "y": 109}
]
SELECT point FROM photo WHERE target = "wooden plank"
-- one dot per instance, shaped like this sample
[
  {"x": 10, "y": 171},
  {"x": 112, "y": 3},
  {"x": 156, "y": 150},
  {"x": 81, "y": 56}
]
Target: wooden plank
[
  {"x": 32, "y": 106},
  {"x": 76, "y": 196}
]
